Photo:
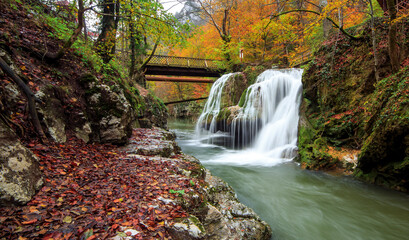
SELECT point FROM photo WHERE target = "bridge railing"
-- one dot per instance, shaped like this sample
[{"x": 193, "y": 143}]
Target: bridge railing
[{"x": 161, "y": 60}]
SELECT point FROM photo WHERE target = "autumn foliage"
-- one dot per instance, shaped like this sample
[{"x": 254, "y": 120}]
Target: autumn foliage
[
  {"x": 96, "y": 191},
  {"x": 263, "y": 37}
]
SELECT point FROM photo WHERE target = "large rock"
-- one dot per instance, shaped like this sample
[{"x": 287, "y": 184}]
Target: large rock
[
  {"x": 227, "y": 218},
  {"x": 109, "y": 112},
  {"x": 233, "y": 90},
  {"x": 153, "y": 113},
  {"x": 52, "y": 112},
  {"x": 20, "y": 176},
  {"x": 214, "y": 210}
]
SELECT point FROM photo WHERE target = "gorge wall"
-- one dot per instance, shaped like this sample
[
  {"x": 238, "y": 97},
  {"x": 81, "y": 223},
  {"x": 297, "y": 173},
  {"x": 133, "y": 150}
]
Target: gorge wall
[{"x": 351, "y": 121}]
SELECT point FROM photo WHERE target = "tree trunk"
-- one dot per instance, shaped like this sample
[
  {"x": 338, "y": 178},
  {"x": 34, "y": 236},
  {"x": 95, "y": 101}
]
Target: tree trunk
[
  {"x": 393, "y": 44},
  {"x": 56, "y": 56},
  {"x": 30, "y": 98},
  {"x": 85, "y": 30},
  {"x": 133, "y": 49},
  {"x": 374, "y": 44},
  {"x": 105, "y": 44},
  {"x": 137, "y": 47},
  {"x": 326, "y": 24},
  {"x": 140, "y": 72}
]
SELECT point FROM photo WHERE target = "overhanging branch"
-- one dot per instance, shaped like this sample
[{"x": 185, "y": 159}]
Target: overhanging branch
[{"x": 317, "y": 13}]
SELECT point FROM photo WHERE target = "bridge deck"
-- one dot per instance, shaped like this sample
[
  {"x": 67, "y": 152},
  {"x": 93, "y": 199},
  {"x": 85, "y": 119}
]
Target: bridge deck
[
  {"x": 182, "y": 66},
  {"x": 161, "y": 60}
]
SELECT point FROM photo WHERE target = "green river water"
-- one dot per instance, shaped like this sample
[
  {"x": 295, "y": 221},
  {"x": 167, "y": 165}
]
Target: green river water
[{"x": 301, "y": 204}]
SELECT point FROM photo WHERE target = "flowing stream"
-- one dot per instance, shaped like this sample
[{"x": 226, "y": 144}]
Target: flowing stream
[
  {"x": 297, "y": 204},
  {"x": 300, "y": 204}
]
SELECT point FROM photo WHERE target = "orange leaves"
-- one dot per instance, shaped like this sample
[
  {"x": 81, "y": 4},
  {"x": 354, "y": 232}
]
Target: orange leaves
[
  {"x": 89, "y": 202},
  {"x": 29, "y": 222}
]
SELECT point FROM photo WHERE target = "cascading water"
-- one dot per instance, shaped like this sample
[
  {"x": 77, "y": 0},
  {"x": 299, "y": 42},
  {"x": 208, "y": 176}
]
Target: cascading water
[
  {"x": 206, "y": 124},
  {"x": 268, "y": 118}
]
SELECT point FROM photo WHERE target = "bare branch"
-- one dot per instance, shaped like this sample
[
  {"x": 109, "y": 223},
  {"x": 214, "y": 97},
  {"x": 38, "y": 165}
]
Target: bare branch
[{"x": 320, "y": 14}]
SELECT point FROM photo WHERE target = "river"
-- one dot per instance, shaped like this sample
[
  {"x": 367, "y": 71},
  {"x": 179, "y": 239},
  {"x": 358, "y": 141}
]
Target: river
[{"x": 300, "y": 204}]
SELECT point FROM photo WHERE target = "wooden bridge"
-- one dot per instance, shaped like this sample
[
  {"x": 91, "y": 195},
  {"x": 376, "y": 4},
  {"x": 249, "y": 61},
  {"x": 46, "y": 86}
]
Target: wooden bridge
[
  {"x": 181, "y": 66},
  {"x": 181, "y": 69}
]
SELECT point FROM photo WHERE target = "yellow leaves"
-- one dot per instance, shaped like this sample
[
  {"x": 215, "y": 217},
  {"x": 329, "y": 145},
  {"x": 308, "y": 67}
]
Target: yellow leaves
[
  {"x": 118, "y": 200},
  {"x": 67, "y": 219}
]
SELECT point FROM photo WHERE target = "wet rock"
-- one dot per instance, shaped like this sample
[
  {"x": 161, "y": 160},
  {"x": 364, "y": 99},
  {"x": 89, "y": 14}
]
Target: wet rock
[
  {"x": 220, "y": 214},
  {"x": 233, "y": 90},
  {"x": 230, "y": 219},
  {"x": 154, "y": 143},
  {"x": 187, "y": 229},
  {"x": 20, "y": 176}
]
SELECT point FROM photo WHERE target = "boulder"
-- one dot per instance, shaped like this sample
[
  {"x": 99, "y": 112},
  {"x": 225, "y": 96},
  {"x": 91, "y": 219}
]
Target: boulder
[
  {"x": 233, "y": 90},
  {"x": 153, "y": 113},
  {"x": 52, "y": 112},
  {"x": 189, "y": 228},
  {"x": 110, "y": 113},
  {"x": 384, "y": 159},
  {"x": 20, "y": 176},
  {"x": 227, "y": 218}
]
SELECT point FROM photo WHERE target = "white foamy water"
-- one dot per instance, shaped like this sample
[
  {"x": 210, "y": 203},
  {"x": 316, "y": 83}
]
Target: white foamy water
[
  {"x": 211, "y": 108},
  {"x": 268, "y": 119}
]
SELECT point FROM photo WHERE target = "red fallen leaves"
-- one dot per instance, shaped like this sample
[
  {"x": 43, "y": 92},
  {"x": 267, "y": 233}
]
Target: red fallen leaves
[{"x": 91, "y": 191}]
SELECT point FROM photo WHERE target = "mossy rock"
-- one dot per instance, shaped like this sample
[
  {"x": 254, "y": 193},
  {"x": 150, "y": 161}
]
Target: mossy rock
[
  {"x": 223, "y": 114},
  {"x": 233, "y": 90},
  {"x": 86, "y": 79}
]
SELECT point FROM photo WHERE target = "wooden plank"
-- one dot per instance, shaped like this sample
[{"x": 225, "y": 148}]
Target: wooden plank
[
  {"x": 155, "y": 70},
  {"x": 177, "y": 79},
  {"x": 186, "y": 100}
]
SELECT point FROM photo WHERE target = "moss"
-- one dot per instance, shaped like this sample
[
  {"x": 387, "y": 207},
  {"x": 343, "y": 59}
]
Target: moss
[
  {"x": 157, "y": 105},
  {"x": 313, "y": 150},
  {"x": 384, "y": 158},
  {"x": 197, "y": 222},
  {"x": 86, "y": 79},
  {"x": 243, "y": 98},
  {"x": 223, "y": 114},
  {"x": 252, "y": 72}
]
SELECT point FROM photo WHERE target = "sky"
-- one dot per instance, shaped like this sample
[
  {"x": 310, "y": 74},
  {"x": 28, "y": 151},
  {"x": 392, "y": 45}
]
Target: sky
[{"x": 172, "y": 6}]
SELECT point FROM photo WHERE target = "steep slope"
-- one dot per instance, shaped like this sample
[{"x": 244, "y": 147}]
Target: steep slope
[
  {"x": 76, "y": 96},
  {"x": 350, "y": 122}
]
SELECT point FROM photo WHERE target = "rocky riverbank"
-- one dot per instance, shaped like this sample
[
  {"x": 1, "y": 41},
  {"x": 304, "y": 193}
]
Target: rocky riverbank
[{"x": 148, "y": 189}]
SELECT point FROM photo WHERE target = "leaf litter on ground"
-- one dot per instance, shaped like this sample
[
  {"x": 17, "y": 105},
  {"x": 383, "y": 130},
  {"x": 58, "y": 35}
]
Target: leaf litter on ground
[{"x": 96, "y": 191}]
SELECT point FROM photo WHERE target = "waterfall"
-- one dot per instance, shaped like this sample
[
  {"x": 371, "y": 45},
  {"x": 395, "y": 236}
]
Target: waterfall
[
  {"x": 267, "y": 121},
  {"x": 206, "y": 124}
]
